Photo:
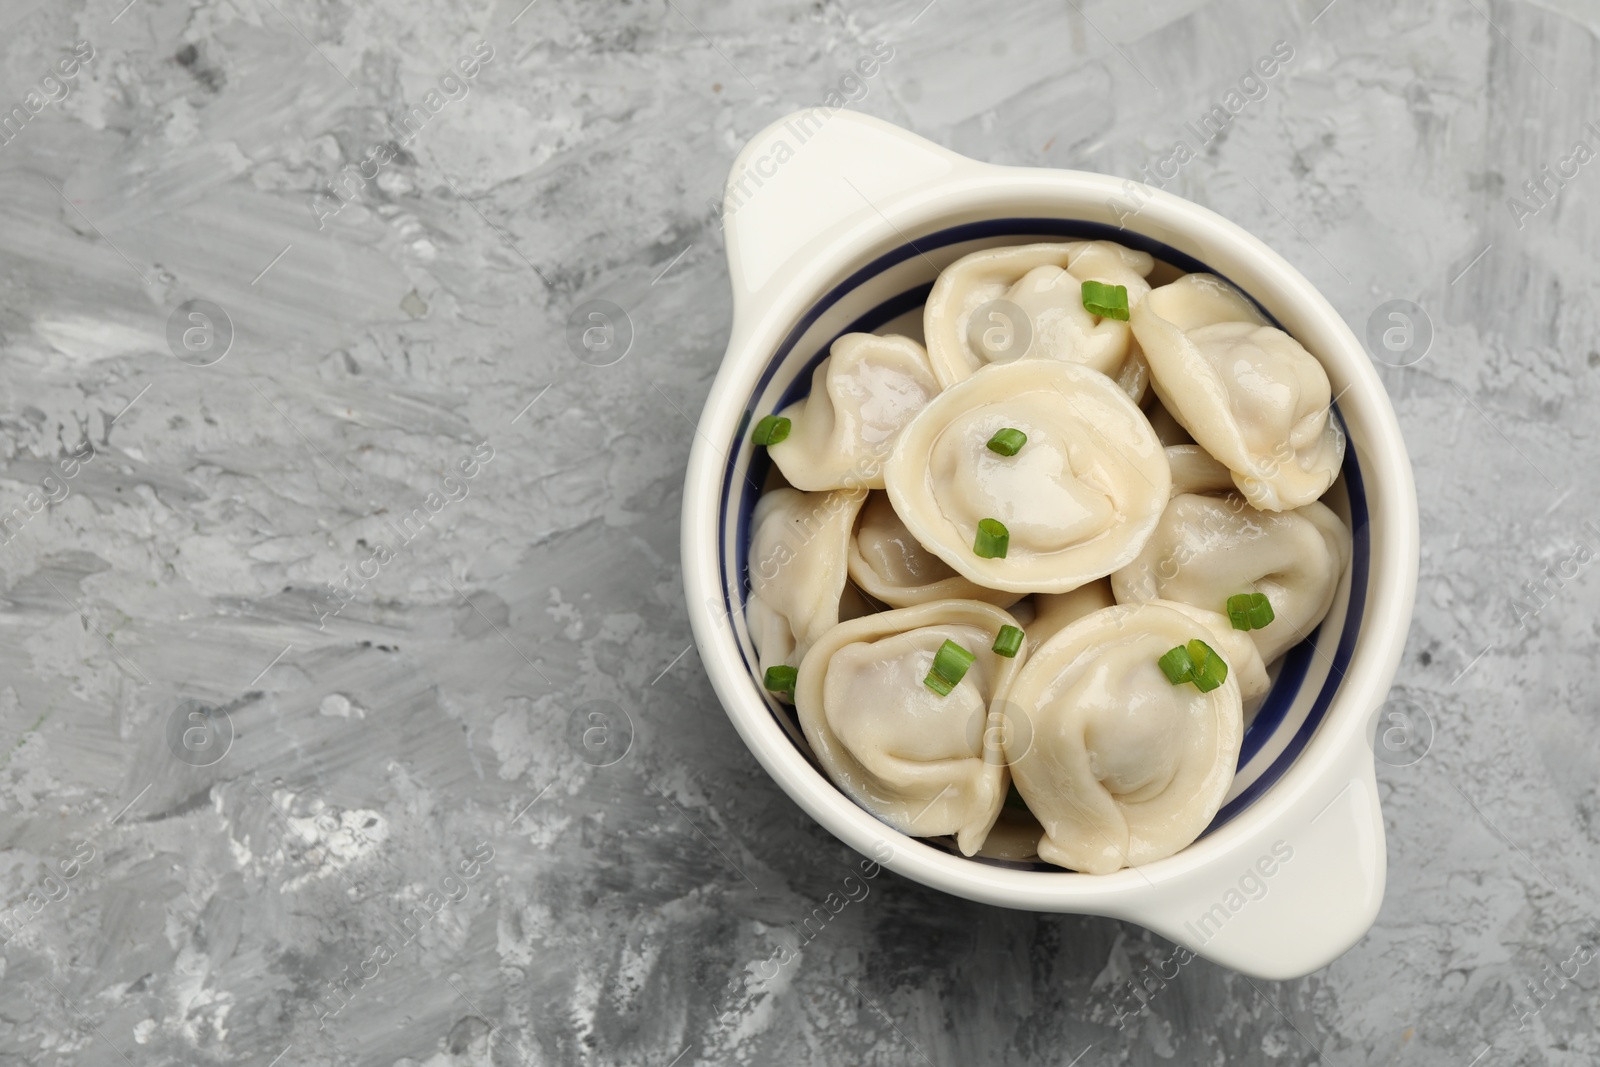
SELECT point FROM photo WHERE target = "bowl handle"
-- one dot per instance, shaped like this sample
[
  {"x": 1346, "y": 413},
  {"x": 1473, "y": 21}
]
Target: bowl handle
[
  {"x": 1296, "y": 894},
  {"x": 808, "y": 177}
]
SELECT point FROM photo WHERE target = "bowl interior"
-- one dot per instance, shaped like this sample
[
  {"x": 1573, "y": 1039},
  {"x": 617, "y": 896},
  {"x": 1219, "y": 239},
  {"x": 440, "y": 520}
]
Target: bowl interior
[{"x": 886, "y": 296}]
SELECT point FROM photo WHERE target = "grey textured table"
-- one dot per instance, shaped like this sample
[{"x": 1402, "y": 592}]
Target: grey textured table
[{"x": 348, "y": 708}]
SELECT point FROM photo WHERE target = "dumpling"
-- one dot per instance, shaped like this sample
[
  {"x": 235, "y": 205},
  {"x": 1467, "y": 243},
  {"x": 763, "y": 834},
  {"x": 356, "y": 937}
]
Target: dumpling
[
  {"x": 772, "y": 635},
  {"x": 1121, "y": 766},
  {"x": 1194, "y": 470},
  {"x": 1206, "y": 549},
  {"x": 892, "y": 566},
  {"x": 1250, "y": 394},
  {"x": 1015, "y": 834},
  {"x": 799, "y": 548},
  {"x": 1077, "y": 500},
  {"x": 1045, "y": 282},
  {"x": 1168, "y": 432},
  {"x": 923, "y": 763},
  {"x": 861, "y": 395},
  {"x": 1054, "y": 612}
]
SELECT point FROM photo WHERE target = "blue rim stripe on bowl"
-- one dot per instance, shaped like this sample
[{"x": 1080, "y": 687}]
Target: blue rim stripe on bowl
[{"x": 1298, "y": 662}]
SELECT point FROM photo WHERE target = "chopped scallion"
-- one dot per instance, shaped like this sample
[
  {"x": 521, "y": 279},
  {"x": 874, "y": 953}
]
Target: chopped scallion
[
  {"x": 1210, "y": 670},
  {"x": 993, "y": 539},
  {"x": 1195, "y": 662},
  {"x": 770, "y": 430},
  {"x": 1007, "y": 442},
  {"x": 1177, "y": 665},
  {"x": 780, "y": 679},
  {"x": 951, "y": 662},
  {"x": 1107, "y": 301},
  {"x": 1250, "y": 611},
  {"x": 950, "y": 665},
  {"x": 1009, "y": 642}
]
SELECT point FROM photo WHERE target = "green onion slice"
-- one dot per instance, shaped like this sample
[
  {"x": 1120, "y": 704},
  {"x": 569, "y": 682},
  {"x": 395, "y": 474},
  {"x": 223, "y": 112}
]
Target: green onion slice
[
  {"x": 950, "y": 665},
  {"x": 1250, "y": 611},
  {"x": 780, "y": 679},
  {"x": 1177, "y": 665},
  {"x": 1210, "y": 670},
  {"x": 1009, "y": 642},
  {"x": 1007, "y": 442},
  {"x": 770, "y": 430},
  {"x": 951, "y": 662},
  {"x": 993, "y": 539},
  {"x": 1107, "y": 301}
]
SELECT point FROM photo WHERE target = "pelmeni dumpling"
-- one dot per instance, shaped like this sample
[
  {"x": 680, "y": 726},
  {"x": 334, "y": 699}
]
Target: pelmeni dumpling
[
  {"x": 1206, "y": 549},
  {"x": 1045, "y": 282},
  {"x": 1078, "y": 500},
  {"x": 1194, "y": 470},
  {"x": 772, "y": 635},
  {"x": 798, "y": 566},
  {"x": 1054, "y": 612},
  {"x": 1014, "y": 836},
  {"x": 1120, "y": 766},
  {"x": 861, "y": 395},
  {"x": 1251, "y": 395},
  {"x": 892, "y": 566},
  {"x": 1168, "y": 432},
  {"x": 923, "y": 763}
]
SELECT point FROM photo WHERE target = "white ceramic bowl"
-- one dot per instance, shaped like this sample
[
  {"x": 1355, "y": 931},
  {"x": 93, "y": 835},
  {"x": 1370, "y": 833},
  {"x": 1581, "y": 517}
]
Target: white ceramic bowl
[{"x": 838, "y": 222}]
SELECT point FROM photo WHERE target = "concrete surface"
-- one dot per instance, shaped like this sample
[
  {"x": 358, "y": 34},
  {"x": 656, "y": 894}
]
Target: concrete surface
[{"x": 347, "y": 703}]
